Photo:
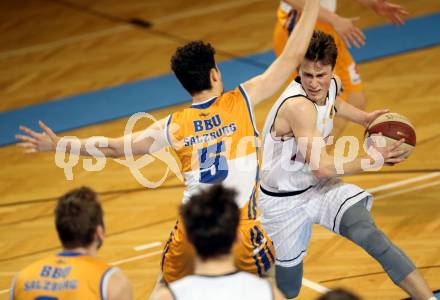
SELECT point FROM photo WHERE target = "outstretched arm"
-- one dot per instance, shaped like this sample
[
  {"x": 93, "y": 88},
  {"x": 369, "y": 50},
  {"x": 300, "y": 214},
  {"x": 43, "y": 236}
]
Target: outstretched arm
[
  {"x": 146, "y": 141},
  {"x": 267, "y": 84},
  {"x": 393, "y": 12}
]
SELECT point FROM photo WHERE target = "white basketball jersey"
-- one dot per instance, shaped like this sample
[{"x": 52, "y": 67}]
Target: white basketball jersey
[
  {"x": 284, "y": 169},
  {"x": 233, "y": 286}
]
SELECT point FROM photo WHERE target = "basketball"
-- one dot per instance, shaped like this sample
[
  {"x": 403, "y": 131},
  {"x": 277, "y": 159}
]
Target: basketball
[{"x": 393, "y": 127}]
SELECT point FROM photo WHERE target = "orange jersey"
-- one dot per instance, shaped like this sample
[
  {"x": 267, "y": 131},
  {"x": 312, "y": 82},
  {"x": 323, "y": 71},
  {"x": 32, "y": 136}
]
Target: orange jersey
[
  {"x": 216, "y": 141},
  {"x": 68, "y": 275}
]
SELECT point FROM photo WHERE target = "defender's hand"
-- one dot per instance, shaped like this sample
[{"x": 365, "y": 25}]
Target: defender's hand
[
  {"x": 350, "y": 34},
  {"x": 37, "y": 142},
  {"x": 393, "y": 12}
]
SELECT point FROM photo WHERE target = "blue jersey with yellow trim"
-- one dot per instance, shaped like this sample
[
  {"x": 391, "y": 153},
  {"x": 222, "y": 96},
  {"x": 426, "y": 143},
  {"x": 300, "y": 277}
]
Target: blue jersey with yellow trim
[
  {"x": 68, "y": 275},
  {"x": 216, "y": 141}
]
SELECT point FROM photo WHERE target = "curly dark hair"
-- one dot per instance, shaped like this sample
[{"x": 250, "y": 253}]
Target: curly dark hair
[
  {"x": 192, "y": 65},
  {"x": 322, "y": 48},
  {"x": 77, "y": 215},
  {"x": 211, "y": 219}
]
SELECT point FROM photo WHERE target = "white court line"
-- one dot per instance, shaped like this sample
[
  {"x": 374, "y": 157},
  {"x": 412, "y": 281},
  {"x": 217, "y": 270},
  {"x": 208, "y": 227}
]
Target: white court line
[
  {"x": 402, "y": 182},
  {"x": 322, "y": 289},
  {"x": 147, "y": 246},
  {"x": 423, "y": 186},
  {"x": 310, "y": 284},
  {"x": 4, "y": 291},
  {"x": 134, "y": 258},
  {"x": 315, "y": 286}
]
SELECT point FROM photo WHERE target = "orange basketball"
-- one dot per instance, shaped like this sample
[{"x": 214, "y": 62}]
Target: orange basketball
[{"x": 393, "y": 127}]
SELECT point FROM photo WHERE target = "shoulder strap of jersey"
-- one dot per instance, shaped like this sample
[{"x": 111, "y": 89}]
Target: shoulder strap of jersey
[
  {"x": 167, "y": 130},
  {"x": 249, "y": 107},
  {"x": 103, "y": 287}
]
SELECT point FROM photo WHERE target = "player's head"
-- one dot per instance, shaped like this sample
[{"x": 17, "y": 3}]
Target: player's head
[
  {"x": 79, "y": 219},
  {"x": 211, "y": 219},
  {"x": 316, "y": 70},
  {"x": 194, "y": 66},
  {"x": 339, "y": 294}
]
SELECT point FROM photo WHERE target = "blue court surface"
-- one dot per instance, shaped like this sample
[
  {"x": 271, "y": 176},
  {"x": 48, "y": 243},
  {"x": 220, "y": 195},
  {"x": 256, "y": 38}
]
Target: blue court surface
[{"x": 163, "y": 91}]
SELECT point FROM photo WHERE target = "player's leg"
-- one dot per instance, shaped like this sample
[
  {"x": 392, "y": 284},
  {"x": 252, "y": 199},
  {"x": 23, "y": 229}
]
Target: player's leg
[
  {"x": 254, "y": 251},
  {"x": 289, "y": 279},
  {"x": 177, "y": 259},
  {"x": 358, "y": 226},
  {"x": 178, "y": 255},
  {"x": 288, "y": 224}
]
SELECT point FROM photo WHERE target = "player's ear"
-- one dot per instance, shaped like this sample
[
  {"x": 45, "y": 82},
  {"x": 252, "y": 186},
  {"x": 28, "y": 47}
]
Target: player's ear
[
  {"x": 215, "y": 75},
  {"x": 100, "y": 233},
  {"x": 298, "y": 70}
]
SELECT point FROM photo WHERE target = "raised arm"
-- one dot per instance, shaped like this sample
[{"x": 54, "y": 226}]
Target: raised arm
[
  {"x": 267, "y": 84},
  {"x": 146, "y": 141},
  {"x": 393, "y": 12}
]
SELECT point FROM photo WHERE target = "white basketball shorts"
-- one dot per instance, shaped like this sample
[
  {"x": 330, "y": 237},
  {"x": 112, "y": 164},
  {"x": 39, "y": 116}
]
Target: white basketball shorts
[{"x": 287, "y": 217}]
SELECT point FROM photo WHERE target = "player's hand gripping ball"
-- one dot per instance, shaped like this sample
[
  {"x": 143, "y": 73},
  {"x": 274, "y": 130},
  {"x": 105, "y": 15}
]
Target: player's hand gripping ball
[{"x": 393, "y": 127}]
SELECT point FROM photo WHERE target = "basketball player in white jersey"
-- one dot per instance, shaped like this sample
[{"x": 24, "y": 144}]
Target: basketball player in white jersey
[
  {"x": 298, "y": 189},
  {"x": 211, "y": 219},
  {"x": 345, "y": 33}
]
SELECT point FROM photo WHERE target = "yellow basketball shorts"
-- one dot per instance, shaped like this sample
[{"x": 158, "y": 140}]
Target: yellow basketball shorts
[{"x": 253, "y": 251}]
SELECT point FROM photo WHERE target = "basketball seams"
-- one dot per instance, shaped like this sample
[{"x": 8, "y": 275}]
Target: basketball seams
[
  {"x": 388, "y": 117},
  {"x": 391, "y": 128}
]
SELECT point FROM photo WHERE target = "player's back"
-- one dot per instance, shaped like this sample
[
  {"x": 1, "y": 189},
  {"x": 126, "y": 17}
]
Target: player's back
[
  {"x": 68, "y": 275},
  {"x": 215, "y": 141},
  {"x": 232, "y": 286}
]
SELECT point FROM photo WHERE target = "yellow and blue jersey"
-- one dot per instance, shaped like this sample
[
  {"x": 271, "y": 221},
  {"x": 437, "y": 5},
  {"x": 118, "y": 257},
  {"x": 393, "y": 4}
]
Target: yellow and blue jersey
[
  {"x": 217, "y": 141},
  {"x": 67, "y": 275}
]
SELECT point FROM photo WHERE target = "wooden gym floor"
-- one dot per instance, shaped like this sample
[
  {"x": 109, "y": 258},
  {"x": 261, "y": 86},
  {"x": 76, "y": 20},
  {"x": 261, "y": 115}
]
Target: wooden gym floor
[{"x": 51, "y": 49}]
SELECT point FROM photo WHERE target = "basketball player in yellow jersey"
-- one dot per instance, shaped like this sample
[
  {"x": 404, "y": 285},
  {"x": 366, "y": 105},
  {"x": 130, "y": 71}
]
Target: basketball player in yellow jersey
[
  {"x": 345, "y": 34},
  {"x": 75, "y": 272},
  {"x": 214, "y": 139}
]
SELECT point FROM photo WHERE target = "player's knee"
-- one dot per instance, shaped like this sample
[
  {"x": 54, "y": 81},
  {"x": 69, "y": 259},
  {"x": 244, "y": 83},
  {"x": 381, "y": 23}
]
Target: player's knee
[
  {"x": 369, "y": 237},
  {"x": 289, "y": 280}
]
